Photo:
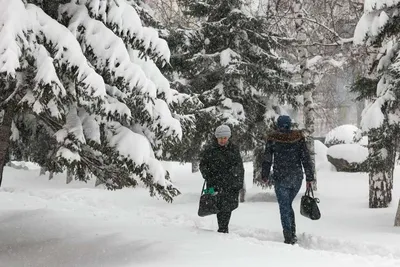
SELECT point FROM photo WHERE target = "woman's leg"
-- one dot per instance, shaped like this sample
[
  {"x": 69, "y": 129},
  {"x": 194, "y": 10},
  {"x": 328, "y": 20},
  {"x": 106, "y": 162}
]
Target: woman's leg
[
  {"x": 223, "y": 218},
  {"x": 293, "y": 193},
  {"x": 285, "y": 209}
]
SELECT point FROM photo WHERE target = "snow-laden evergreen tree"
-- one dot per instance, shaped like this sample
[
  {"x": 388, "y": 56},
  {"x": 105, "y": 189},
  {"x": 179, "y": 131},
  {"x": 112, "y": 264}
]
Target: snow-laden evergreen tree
[
  {"x": 378, "y": 30},
  {"x": 231, "y": 63},
  {"x": 186, "y": 106},
  {"x": 84, "y": 75}
]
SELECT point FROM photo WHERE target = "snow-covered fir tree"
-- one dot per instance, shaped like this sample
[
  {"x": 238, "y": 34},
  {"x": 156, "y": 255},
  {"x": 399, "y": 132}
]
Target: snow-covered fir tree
[
  {"x": 231, "y": 63},
  {"x": 84, "y": 75},
  {"x": 377, "y": 29},
  {"x": 185, "y": 107}
]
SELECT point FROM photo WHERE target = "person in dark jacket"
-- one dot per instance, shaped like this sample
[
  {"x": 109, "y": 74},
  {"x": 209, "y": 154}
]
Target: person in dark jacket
[
  {"x": 286, "y": 150},
  {"x": 222, "y": 168}
]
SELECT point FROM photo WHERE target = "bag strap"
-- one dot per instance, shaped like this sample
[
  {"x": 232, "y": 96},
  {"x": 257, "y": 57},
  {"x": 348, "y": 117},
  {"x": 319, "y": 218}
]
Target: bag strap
[
  {"x": 202, "y": 190},
  {"x": 310, "y": 193}
]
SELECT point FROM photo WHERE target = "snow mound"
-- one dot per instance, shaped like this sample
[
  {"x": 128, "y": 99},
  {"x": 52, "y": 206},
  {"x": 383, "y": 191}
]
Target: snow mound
[
  {"x": 321, "y": 160},
  {"x": 24, "y": 165},
  {"x": 352, "y": 153}
]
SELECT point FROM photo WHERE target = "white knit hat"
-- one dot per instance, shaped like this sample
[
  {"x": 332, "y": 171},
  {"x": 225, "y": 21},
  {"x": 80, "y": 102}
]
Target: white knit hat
[{"x": 223, "y": 131}]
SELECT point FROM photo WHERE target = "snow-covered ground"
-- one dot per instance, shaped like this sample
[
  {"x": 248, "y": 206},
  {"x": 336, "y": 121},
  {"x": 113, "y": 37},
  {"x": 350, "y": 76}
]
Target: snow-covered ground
[{"x": 48, "y": 223}]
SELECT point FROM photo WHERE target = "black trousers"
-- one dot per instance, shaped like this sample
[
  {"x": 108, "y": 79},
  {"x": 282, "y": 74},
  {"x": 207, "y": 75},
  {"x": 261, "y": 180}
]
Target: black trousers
[{"x": 223, "y": 218}]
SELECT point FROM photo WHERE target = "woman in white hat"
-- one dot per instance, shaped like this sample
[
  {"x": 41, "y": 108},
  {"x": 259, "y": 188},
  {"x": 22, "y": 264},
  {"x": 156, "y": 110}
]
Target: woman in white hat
[{"x": 222, "y": 167}]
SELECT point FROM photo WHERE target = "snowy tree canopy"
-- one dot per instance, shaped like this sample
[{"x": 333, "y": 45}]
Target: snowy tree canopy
[
  {"x": 378, "y": 31},
  {"x": 85, "y": 72},
  {"x": 231, "y": 62}
]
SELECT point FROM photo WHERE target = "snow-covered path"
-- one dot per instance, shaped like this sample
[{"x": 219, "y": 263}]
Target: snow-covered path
[{"x": 46, "y": 223}]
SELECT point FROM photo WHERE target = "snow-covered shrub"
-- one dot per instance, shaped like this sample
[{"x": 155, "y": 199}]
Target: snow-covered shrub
[{"x": 344, "y": 134}]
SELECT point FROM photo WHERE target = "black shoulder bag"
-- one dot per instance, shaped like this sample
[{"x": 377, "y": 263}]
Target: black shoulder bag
[
  {"x": 208, "y": 204},
  {"x": 309, "y": 205}
]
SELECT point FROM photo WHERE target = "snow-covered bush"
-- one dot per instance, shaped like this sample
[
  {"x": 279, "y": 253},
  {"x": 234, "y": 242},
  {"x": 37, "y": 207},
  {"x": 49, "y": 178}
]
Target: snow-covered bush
[{"x": 86, "y": 73}]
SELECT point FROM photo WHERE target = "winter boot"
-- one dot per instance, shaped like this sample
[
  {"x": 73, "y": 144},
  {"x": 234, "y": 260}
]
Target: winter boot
[
  {"x": 288, "y": 237},
  {"x": 223, "y": 230}
]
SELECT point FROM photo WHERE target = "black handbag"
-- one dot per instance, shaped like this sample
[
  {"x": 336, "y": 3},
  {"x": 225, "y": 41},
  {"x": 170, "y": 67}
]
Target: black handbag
[
  {"x": 309, "y": 205},
  {"x": 208, "y": 204}
]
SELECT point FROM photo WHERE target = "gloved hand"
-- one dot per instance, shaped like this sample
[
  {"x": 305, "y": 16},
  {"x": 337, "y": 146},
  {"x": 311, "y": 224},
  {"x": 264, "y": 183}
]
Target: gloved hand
[
  {"x": 210, "y": 190},
  {"x": 309, "y": 185}
]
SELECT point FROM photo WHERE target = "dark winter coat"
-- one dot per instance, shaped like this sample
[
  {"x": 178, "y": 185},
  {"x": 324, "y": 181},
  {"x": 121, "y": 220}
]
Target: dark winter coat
[
  {"x": 288, "y": 154},
  {"x": 222, "y": 168}
]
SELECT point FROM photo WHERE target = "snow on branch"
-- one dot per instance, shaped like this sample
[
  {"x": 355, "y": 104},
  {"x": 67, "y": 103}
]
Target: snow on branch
[
  {"x": 373, "y": 5},
  {"x": 90, "y": 126},
  {"x": 71, "y": 137},
  {"x": 13, "y": 28},
  {"x": 373, "y": 117},
  {"x": 68, "y": 54},
  {"x": 109, "y": 52},
  {"x": 370, "y": 25},
  {"x": 46, "y": 73},
  {"x": 153, "y": 73},
  {"x": 117, "y": 109},
  {"x": 112, "y": 58},
  {"x": 338, "y": 42},
  {"x": 48, "y": 92},
  {"x": 123, "y": 19},
  {"x": 135, "y": 149}
]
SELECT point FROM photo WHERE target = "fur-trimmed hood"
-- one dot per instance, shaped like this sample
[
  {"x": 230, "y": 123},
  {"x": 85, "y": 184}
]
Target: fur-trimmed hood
[{"x": 290, "y": 137}]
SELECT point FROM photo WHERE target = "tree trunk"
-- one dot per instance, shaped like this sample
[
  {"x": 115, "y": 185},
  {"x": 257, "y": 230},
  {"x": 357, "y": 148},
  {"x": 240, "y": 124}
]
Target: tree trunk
[
  {"x": 379, "y": 192},
  {"x": 360, "y": 108},
  {"x": 381, "y": 167},
  {"x": 195, "y": 166},
  {"x": 309, "y": 120},
  {"x": 5, "y": 134},
  {"x": 307, "y": 81},
  {"x": 257, "y": 165},
  {"x": 392, "y": 150},
  {"x": 70, "y": 176},
  {"x": 397, "y": 219},
  {"x": 51, "y": 175}
]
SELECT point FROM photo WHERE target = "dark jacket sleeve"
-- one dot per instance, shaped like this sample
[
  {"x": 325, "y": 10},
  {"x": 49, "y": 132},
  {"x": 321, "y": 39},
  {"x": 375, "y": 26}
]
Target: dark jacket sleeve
[
  {"x": 238, "y": 171},
  {"x": 306, "y": 161},
  {"x": 267, "y": 160},
  {"x": 205, "y": 164}
]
